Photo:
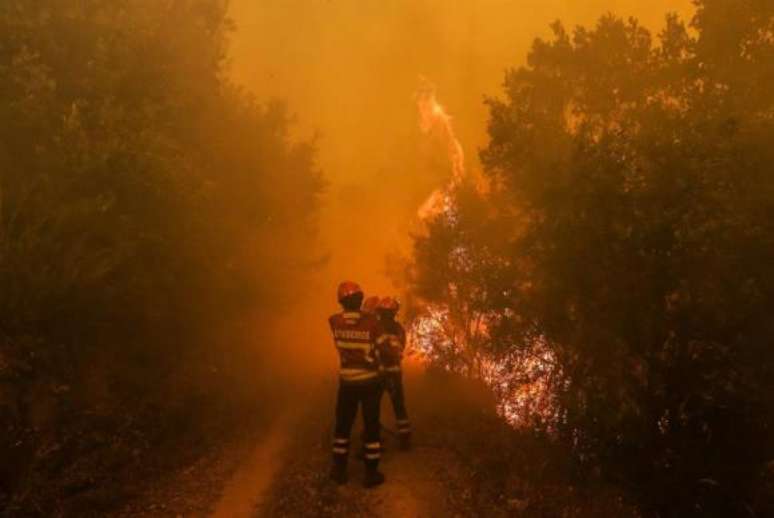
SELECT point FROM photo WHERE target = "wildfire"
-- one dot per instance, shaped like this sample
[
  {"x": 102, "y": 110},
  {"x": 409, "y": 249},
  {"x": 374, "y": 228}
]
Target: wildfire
[
  {"x": 433, "y": 118},
  {"x": 520, "y": 382}
]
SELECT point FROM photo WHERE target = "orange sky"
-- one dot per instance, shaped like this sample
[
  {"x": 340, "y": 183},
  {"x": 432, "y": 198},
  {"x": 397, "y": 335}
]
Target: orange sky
[{"x": 349, "y": 69}]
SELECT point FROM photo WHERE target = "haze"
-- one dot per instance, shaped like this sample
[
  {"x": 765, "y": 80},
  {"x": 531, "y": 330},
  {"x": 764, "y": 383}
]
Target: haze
[{"x": 349, "y": 69}]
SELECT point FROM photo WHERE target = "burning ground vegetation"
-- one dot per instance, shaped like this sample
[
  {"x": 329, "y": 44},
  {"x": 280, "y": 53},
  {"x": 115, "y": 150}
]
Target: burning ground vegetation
[
  {"x": 523, "y": 382},
  {"x": 454, "y": 335}
]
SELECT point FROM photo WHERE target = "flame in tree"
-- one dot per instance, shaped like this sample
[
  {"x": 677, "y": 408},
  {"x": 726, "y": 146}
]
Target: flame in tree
[
  {"x": 451, "y": 333},
  {"x": 433, "y": 119}
]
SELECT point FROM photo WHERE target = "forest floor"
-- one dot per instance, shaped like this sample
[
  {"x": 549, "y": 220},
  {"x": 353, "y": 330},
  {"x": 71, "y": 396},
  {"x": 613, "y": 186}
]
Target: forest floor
[
  {"x": 282, "y": 469},
  {"x": 465, "y": 461}
]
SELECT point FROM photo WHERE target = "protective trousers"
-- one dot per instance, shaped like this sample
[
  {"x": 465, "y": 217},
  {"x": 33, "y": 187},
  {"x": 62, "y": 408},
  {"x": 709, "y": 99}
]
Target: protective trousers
[
  {"x": 393, "y": 384},
  {"x": 350, "y": 397}
]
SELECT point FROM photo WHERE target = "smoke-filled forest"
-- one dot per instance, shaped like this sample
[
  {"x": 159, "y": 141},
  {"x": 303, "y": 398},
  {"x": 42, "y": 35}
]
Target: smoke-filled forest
[{"x": 562, "y": 211}]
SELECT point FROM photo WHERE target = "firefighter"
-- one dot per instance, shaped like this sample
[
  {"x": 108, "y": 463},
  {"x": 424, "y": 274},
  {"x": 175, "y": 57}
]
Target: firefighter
[
  {"x": 390, "y": 345},
  {"x": 370, "y": 305},
  {"x": 354, "y": 334}
]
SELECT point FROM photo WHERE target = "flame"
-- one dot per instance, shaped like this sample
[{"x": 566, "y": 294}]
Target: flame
[
  {"x": 433, "y": 118},
  {"x": 438, "y": 202},
  {"x": 520, "y": 383}
]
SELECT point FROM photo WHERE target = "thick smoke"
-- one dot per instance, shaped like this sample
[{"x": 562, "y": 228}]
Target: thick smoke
[{"x": 349, "y": 70}]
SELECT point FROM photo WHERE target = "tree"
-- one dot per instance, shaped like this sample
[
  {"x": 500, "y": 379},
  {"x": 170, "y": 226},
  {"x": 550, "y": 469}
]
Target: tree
[
  {"x": 632, "y": 185},
  {"x": 141, "y": 195}
]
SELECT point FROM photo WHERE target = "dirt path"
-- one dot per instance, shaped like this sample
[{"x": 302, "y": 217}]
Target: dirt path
[
  {"x": 189, "y": 492},
  {"x": 414, "y": 488},
  {"x": 247, "y": 488},
  {"x": 419, "y": 482},
  {"x": 227, "y": 483},
  {"x": 282, "y": 470}
]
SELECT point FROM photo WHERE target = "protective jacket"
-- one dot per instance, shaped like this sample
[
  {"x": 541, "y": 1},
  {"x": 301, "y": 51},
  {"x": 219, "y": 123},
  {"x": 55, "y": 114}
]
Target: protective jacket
[
  {"x": 390, "y": 344},
  {"x": 355, "y": 334}
]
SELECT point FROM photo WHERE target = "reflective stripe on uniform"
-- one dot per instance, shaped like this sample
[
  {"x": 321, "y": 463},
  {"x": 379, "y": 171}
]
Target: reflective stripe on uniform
[
  {"x": 393, "y": 339},
  {"x": 341, "y": 441},
  {"x": 373, "y": 456},
  {"x": 354, "y": 371},
  {"x": 353, "y": 346},
  {"x": 373, "y": 445},
  {"x": 358, "y": 374},
  {"x": 393, "y": 368},
  {"x": 340, "y": 451}
]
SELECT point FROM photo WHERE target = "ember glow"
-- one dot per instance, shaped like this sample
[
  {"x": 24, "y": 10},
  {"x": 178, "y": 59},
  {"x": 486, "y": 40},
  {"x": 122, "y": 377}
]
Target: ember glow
[
  {"x": 523, "y": 381},
  {"x": 523, "y": 384}
]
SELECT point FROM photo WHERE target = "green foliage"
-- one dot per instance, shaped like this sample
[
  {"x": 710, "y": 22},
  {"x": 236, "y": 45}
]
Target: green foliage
[{"x": 633, "y": 186}]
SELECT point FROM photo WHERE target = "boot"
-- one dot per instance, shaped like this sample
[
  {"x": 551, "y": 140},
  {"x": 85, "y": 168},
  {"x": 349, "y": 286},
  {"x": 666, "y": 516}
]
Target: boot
[
  {"x": 373, "y": 477},
  {"x": 339, "y": 472}
]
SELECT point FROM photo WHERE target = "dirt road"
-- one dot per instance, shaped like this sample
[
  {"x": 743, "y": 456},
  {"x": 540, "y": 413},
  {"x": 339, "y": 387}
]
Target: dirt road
[
  {"x": 415, "y": 485},
  {"x": 282, "y": 472},
  {"x": 420, "y": 482},
  {"x": 247, "y": 488}
]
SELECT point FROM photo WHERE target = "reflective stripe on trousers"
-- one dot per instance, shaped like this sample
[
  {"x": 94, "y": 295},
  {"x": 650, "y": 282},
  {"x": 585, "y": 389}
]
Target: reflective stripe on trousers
[
  {"x": 341, "y": 446},
  {"x": 373, "y": 450}
]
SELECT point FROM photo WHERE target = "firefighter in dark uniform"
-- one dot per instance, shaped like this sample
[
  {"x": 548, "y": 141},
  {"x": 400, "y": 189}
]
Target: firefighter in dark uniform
[
  {"x": 370, "y": 304},
  {"x": 355, "y": 336},
  {"x": 369, "y": 307},
  {"x": 390, "y": 345}
]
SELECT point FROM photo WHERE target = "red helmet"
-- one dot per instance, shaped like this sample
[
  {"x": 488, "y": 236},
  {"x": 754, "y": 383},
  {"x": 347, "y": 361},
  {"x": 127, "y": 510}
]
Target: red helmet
[
  {"x": 370, "y": 304},
  {"x": 389, "y": 304},
  {"x": 348, "y": 288}
]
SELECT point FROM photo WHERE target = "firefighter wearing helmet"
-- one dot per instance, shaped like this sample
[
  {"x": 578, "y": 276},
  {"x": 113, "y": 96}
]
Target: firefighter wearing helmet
[
  {"x": 370, "y": 304},
  {"x": 390, "y": 345},
  {"x": 355, "y": 334}
]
